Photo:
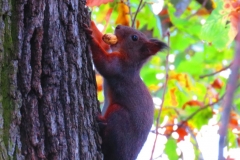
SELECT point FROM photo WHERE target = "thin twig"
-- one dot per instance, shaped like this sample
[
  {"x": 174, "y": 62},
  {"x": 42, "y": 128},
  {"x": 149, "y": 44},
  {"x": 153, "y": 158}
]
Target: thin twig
[
  {"x": 227, "y": 103},
  {"x": 180, "y": 124},
  {"x": 211, "y": 74},
  {"x": 163, "y": 98},
  {"x": 200, "y": 109},
  {"x": 135, "y": 16}
]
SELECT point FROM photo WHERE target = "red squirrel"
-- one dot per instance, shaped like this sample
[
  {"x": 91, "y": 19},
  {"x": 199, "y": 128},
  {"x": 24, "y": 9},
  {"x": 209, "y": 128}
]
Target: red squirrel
[{"x": 125, "y": 125}]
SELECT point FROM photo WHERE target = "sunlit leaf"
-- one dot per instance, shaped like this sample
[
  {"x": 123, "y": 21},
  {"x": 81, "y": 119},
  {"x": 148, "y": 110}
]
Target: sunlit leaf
[
  {"x": 201, "y": 118},
  {"x": 233, "y": 121},
  {"x": 193, "y": 103},
  {"x": 217, "y": 25},
  {"x": 217, "y": 83},
  {"x": 169, "y": 130},
  {"x": 231, "y": 139},
  {"x": 170, "y": 149},
  {"x": 233, "y": 8},
  {"x": 154, "y": 87},
  {"x": 181, "y": 78},
  {"x": 182, "y": 133},
  {"x": 173, "y": 97},
  {"x": 184, "y": 24},
  {"x": 123, "y": 14}
]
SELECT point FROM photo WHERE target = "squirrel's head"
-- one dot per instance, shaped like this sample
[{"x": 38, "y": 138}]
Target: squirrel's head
[{"x": 135, "y": 45}]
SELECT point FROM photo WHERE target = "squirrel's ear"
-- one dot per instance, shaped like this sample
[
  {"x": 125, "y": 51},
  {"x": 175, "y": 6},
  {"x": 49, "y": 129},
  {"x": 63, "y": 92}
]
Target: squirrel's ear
[{"x": 153, "y": 46}]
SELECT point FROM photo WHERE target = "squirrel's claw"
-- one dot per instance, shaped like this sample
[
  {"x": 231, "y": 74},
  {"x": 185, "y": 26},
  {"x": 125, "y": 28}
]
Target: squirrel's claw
[{"x": 102, "y": 123}]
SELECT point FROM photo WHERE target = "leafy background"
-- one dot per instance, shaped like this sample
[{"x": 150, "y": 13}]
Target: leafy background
[{"x": 194, "y": 71}]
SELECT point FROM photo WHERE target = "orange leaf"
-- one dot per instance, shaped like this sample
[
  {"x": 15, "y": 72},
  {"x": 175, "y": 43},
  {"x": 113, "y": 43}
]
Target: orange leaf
[
  {"x": 187, "y": 82},
  {"x": 137, "y": 24},
  {"x": 202, "y": 12},
  {"x": 217, "y": 84},
  {"x": 233, "y": 122},
  {"x": 123, "y": 14},
  {"x": 193, "y": 103},
  {"x": 99, "y": 80},
  {"x": 92, "y": 3},
  {"x": 181, "y": 78},
  {"x": 182, "y": 133},
  {"x": 169, "y": 130},
  {"x": 233, "y": 8},
  {"x": 173, "y": 97}
]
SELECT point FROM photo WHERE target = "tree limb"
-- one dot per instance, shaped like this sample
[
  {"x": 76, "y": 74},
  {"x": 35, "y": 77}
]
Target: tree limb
[
  {"x": 164, "y": 91},
  {"x": 227, "y": 103},
  {"x": 211, "y": 74}
]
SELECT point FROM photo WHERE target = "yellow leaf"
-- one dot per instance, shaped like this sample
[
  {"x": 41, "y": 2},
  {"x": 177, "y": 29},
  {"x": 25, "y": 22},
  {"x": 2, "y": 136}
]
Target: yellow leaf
[
  {"x": 173, "y": 97},
  {"x": 123, "y": 14}
]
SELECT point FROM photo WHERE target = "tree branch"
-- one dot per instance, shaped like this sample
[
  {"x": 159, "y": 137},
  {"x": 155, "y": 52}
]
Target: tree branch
[
  {"x": 135, "y": 16},
  {"x": 211, "y": 74},
  {"x": 163, "y": 95},
  {"x": 200, "y": 109},
  {"x": 180, "y": 124},
  {"x": 227, "y": 103}
]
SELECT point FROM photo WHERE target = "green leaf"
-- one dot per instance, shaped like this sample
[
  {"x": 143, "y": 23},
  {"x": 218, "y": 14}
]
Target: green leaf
[
  {"x": 231, "y": 139},
  {"x": 216, "y": 28},
  {"x": 202, "y": 118},
  {"x": 170, "y": 149},
  {"x": 191, "y": 67},
  {"x": 147, "y": 18},
  {"x": 192, "y": 27}
]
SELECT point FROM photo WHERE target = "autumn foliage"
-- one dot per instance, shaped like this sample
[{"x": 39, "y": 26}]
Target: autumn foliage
[{"x": 202, "y": 38}]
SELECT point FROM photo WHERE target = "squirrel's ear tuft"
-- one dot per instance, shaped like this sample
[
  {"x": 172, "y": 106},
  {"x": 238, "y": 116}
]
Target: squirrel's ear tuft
[
  {"x": 153, "y": 46},
  {"x": 159, "y": 44}
]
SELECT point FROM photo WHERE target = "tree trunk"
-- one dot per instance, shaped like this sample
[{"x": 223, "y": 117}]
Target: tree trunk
[{"x": 48, "y": 99}]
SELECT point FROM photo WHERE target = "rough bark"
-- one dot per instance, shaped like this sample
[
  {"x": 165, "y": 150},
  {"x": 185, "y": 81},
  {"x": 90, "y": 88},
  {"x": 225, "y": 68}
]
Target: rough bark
[{"x": 48, "y": 99}]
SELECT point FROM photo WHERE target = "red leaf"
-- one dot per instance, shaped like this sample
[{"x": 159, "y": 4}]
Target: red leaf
[
  {"x": 193, "y": 103},
  {"x": 233, "y": 121},
  {"x": 92, "y": 3},
  {"x": 217, "y": 84},
  {"x": 182, "y": 133}
]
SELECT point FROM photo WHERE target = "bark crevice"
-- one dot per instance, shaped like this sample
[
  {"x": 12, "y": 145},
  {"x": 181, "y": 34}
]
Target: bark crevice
[{"x": 50, "y": 83}]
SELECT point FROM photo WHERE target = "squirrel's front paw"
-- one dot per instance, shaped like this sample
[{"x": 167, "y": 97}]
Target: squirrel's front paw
[
  {"x": 102, "y": 123},
  {"x": 88, "y": 31}
]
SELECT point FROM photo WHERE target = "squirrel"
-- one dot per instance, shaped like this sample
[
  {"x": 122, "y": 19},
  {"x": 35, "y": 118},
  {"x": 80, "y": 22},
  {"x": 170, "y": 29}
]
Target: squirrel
[{"x": 126, "y": 124}]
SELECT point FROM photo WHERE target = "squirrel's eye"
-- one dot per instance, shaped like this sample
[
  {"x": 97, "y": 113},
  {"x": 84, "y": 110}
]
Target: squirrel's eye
[{"x": 134, "y": 37}]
